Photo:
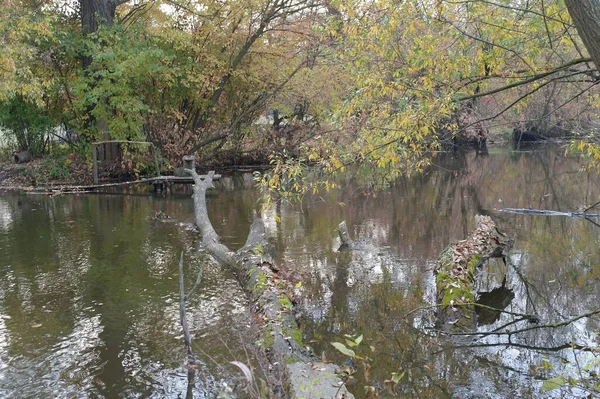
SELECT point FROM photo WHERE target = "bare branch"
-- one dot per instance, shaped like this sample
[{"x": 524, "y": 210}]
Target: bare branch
[
  {"x": 528, "y": 80},
  {"x": 183, "y": 317}
]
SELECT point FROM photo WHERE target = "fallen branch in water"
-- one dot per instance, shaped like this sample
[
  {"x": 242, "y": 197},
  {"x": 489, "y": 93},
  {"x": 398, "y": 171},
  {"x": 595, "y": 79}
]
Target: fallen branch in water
[
  {"x": 524, "y": 316},
  {"x": 497, "y": 331},
  {"x": 456, "y": 270},
  {"x": 592, "y": 206},
  {"x": 182, "y": 312},
  {"x": 522, "y": 346},
  {"x": 542, "y": 212},
  {"x": 271, "y": 297}
]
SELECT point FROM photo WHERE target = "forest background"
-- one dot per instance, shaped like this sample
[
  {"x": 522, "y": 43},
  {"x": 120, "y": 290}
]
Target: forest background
[{"x": 322, "y": 83}]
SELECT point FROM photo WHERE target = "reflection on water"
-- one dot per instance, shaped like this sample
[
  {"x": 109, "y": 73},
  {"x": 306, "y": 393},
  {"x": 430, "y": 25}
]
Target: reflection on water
[
  {"x": 553, "y": 273},
  {"x": 89, "y": 300},
  {"x": 88, "y": 284},
  {"x": 497, "y": 299}
]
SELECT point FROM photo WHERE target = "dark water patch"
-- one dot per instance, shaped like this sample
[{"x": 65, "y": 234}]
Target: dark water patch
[{"x": 491, "y": 304}]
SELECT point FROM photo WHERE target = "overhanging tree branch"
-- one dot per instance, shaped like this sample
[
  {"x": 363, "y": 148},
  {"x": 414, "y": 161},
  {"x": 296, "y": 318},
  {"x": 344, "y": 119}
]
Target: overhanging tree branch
[
  {"x": 521, "y": 98},
  {"x": 528, "y": 80},
  {"x": 208, "y": 141}
]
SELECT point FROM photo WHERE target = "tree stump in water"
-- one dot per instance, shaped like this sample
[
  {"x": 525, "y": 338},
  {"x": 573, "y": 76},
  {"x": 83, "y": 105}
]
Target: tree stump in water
[
  {"x": 456, "y": 270},
  {"x": 348, "y": 243}
]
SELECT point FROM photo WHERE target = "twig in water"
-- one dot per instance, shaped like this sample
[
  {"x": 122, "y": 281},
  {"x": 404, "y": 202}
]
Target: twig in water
[
  {"x": 183, "y": 317},
  {"x": 536, "y": 327},
  {"x": 591, "y": 207},
  {"x": 198, "y": 279}
]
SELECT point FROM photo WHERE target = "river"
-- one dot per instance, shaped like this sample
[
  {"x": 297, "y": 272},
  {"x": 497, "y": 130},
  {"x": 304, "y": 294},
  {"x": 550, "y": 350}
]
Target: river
[{"x": 89, "y": 283}]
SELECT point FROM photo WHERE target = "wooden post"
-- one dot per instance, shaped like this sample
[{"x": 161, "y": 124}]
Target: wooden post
[
  {"x": 95, "y": 161},
  {"x": 156, "y": 164},
  {"x": 189, "y": 162}
]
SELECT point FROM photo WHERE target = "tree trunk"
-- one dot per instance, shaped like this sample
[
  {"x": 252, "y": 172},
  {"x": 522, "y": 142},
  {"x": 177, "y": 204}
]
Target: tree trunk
[
  {"x": 281, "y": 339},
  {"x": 586, "y": 18},
  {"x": 95, "y": 13}
]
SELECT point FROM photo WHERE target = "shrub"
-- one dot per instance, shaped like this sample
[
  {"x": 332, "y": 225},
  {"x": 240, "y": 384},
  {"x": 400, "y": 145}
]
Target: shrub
[{"x": 26, "y": 125}]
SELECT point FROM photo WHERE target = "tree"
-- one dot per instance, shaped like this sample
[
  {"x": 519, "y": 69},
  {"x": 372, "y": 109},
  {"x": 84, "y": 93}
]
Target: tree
[
  {"x": 414, "y": 67},
  {"x": 98, "y": 12},
  {"x": 189, "y": 77},
  {"x": 586, "y": 18}
]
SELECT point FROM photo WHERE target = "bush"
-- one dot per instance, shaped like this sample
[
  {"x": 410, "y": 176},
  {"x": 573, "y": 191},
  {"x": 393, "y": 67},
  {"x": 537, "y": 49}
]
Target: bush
[{"x": 25, "y": 125}]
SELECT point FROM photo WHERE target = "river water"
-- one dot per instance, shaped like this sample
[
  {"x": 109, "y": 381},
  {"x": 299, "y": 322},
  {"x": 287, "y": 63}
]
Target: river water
[{"x": 89, "y": 284}]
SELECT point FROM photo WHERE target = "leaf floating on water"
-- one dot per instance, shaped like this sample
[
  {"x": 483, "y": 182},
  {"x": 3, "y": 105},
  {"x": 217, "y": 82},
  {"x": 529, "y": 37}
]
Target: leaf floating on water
[
  {"x": 367, "y": 367},
  {"x": 370, "y": 392},
  {"x": 245, "y": 370},
  {"x": 397, "y": 377},
  {"x": 553, "y": 383},
  {"x": 389, "y": 386},
  {"x": 342, "y": 348}
]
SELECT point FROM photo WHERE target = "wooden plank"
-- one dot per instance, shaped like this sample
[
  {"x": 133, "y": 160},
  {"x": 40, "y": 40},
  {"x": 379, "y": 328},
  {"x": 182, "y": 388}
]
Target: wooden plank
[
  {"x": 122, "y": 141},
  {"x": 95, "y": 161},
  {"x": 93, "y": 187}
]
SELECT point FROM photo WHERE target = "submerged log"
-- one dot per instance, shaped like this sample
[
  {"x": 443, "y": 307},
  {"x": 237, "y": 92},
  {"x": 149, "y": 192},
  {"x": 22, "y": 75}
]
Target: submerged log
[
  {"x": 281, "y": 339},
  {"x": 544, "y": 212},
  {"x": 456, "y": 270}
]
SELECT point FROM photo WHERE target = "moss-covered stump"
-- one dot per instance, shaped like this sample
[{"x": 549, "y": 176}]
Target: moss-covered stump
[{"x": 456, "y": 270}]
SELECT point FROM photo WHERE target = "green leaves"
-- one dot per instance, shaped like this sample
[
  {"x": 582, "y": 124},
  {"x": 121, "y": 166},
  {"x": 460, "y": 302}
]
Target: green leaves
[
  {"x": 351, "y": 343},
  {"x": 343, "y": 349},
  {"x": 28, "y": 124},
  {"x": 553, "y": 383}
]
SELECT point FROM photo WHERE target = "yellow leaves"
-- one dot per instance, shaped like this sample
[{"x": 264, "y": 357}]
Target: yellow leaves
[{"x": 589, "y": 149}]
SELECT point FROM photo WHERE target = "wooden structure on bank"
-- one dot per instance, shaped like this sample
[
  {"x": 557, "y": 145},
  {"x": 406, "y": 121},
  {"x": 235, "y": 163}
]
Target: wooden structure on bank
[
  {"x": 105, "y": 151},
  {"x": 160, "y": 183}
]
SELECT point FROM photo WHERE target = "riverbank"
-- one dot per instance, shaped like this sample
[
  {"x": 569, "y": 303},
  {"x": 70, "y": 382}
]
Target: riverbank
[
  {"x": 68, "y": 173},
  {"x": 44, "y": 172}
]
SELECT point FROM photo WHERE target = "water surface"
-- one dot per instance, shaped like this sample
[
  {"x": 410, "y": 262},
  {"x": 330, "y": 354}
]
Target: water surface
[{"x": 89, "y": 291}]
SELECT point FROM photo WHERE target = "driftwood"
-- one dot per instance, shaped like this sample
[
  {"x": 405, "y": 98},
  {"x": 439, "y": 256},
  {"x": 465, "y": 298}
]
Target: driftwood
[
  {"x": 58, "y": 189},
  {"x": 541, "y": 212},
  {"x": 456, "y": 270},
  {"x": 281, "y": 338}
]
